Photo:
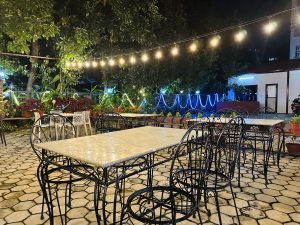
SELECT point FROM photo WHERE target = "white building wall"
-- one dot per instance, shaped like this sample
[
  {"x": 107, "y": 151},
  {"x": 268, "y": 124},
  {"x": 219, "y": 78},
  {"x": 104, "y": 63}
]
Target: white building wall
[
  {"x": 294, "y": 87},
  {"x": 294, "y": 36},
  {"x": 261, "y": 80}
]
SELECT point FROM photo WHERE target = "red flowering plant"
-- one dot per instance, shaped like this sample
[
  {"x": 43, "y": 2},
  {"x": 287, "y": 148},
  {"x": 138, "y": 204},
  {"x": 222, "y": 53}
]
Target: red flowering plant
[
  {"x": 69, "y": 104},
  {"x": 30, "y": 105}
]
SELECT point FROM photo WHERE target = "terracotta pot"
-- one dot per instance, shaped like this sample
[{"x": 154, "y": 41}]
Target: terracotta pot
[
  {"x": 177, "y": 120},
  {"x": 26, "y": 114},
  {"x": 161, "y": 119},
  {"x": 170, "y": 119},
  {"x": 295, "y": 128},
  {"x": 293, "y": 148},
  {"x": 41, "y": 113}
]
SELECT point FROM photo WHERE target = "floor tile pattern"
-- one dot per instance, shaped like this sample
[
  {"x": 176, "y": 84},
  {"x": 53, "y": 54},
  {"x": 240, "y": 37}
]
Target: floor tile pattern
[{"x": 21, "y": 200}]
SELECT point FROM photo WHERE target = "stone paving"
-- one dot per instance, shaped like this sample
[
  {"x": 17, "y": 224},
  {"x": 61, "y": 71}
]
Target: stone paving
[{"x": 20, "y": 195}]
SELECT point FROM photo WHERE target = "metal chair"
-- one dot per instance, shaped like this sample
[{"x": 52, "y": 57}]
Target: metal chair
[
  {"x": 108, "y": 122},
  {"x": 225, "y": 156},
  {"x": 181, "y": 198},
  {"x": 2, "y": 133},
  {"x": 55, "y": 170}
]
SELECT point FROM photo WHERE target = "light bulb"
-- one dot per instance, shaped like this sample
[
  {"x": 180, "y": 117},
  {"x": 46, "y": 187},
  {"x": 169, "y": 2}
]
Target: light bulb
[
  {"x": 94, "y": 64},
  {"x": 193, "y": 47},
  {"x": 158, "y": 54},
  {"x": 79, "y": 64},
  {"x": 240, "y": 36},
  {"x": 102, "y": 63},
  {"x": 121, "y": 61},
  {"x": 215, "y": 41},
  {"x": 132, "y": 60},
  {"x": 145, "y": 57},
  {"x": 175, "y": 51},
  {"x": 111, "y": 62},
  {"x": 73, "y": 64},
  {"x": 87, "y": 64},
  {"x": 270, "y": 27},
  {"x": 68, "y": 64}
]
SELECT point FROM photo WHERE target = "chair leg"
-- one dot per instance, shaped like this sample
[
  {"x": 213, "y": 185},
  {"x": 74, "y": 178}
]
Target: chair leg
[
  {"x": 218, "y": 207},
  {"x": 85, "y": 129},
  {"x": 91, "y": 128},
  {"x": 236, "y": 210}
]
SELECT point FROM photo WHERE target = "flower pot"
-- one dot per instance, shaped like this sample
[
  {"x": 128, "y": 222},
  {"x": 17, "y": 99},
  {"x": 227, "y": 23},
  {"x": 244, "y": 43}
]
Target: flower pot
[
  {"x": 177, "y": 120},
  {"x": 293, "y": 149},
  {"x": 170, "y": 119},
  {"x": 26, "y": 114},
  {"x": 161, "y": 119},
  {"x": 42, "y": 113},
  {"x": 295, "y": 128}
]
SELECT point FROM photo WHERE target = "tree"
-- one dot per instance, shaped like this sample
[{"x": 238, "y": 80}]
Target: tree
[{"x": 25, "y": 23}]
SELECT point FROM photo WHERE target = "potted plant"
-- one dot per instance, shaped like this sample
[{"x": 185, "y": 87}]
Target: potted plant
[
  {"x": 233, "y": 114},
  {"x": 293, "y": 148},
  {"x": 30, "y": 106},
  {"x": 295, "y": 125},
  {"x": 177, "y": 118},
  {"x": 200, "y": 115},
  {"x": 170, "y": 118}
]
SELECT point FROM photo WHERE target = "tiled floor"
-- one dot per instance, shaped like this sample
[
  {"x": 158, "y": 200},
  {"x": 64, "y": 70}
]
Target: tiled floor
[{"x": 20, "y": 196}]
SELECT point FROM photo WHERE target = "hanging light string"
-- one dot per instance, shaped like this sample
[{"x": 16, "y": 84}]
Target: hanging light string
[{"x": 175, "y": 49}]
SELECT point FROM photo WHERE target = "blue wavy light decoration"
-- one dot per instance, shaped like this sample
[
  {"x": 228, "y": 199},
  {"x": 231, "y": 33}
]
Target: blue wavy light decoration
[{"x": 189, "y": 102}]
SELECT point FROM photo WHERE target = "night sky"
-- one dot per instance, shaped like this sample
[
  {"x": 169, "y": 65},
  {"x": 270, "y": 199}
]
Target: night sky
[{"x": 276, "y": 46}]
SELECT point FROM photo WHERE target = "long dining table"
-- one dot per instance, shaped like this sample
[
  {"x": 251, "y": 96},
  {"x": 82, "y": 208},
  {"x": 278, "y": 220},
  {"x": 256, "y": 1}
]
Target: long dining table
[{"x": 116, "y": 156}]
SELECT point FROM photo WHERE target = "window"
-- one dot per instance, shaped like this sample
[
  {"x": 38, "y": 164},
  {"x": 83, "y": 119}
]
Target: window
[{"x": 297, "y": 52}]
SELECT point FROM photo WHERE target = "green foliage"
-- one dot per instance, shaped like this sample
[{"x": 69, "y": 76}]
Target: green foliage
[
  {"x": 178, "y": 115},
  {"x": 169, "y": 114},
  {"x": 188, "y": 115},
  {"x": 200, "y": 115},
  {"x": 25, "y": 22},
  {"x": 295, "y": 119}
]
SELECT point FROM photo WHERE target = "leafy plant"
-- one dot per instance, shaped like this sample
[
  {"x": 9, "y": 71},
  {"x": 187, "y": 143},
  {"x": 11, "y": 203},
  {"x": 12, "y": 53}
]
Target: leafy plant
[
  {"x": 178, "y": 115},
  {"x": 188, "y": 115},
  {"x": 169, "y": 114},
  {"x": 233, "y": 114},
  {"x": 295, "y": 119},
  {"x": 200, "y": 115},
  {"x": 31, "y": 105},
  {"x": 162, "y": 114}
]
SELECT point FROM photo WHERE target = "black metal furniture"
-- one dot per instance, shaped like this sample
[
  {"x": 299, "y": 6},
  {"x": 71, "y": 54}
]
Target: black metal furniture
[
  {"x": 108, "y": 122},
  {"x": 181, "y": 198},
  {"x": 2, "y": 134},
  {"x": 54, "y": 170},
  {"x": 225, "y": 156}
]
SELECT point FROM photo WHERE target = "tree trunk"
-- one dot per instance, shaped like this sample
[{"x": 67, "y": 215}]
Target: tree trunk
[{"x": 33, "y": 68}]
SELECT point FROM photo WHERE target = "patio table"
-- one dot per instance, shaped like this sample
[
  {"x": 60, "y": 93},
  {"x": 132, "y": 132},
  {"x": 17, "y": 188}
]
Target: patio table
[
  {"x": 137, "y": 115},
  {"x": 108, "y": 151}
]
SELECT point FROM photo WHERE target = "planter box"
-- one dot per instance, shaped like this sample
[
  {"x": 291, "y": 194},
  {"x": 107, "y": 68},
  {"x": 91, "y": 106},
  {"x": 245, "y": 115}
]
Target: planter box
[
  {"x": 293, "y": 149},
  {"x": 250, "y": 107},
  {"x": 295, "y": 128}
]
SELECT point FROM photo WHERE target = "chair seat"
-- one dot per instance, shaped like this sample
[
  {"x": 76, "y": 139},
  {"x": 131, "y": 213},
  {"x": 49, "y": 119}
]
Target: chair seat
[
  {"x": 154, "y": 205},
  {"x": 213, "y": 180}
]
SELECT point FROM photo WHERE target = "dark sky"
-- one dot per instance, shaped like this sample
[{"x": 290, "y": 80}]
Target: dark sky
[{"x": 236, "y": 11}]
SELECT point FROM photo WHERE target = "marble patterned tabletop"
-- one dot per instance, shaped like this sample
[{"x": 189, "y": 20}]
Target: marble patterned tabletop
[
  {"x": 137, "y": 115},
  {"x": 248, "y": 121},
  {"x": 104, "y": 150}
]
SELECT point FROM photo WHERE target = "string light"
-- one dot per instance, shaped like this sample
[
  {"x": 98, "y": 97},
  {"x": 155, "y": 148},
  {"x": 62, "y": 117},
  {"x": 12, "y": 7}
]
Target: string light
[
  {"x": 87, "y": 64},
  {"x": 145, "y": 57},
  {"x": 79, "y": 64},
  {"x": 158, "y": 54},
  {"x": 68, "y": 64},
  {"x": 175, "y": 51},
  {"x": 193, "y": 47},
  {"x": 240, "y": 36},
  {"x": 73, "y": 64},
  {"x": 121, "y": 61},
  {"x": 270, "y": 27},
  {"x": 215, "y": 41},
  {"x": 102, "y": 63},
  {"x": 111, "y": 62},
  {"x": 132, "y": 60},
  {"x": 94, "y": 64}
]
